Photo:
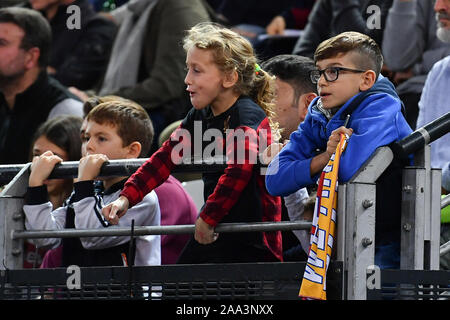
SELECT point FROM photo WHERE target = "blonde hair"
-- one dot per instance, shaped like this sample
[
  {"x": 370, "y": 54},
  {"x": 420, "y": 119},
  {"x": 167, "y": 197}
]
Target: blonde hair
[{"x": 232, "y": 52}]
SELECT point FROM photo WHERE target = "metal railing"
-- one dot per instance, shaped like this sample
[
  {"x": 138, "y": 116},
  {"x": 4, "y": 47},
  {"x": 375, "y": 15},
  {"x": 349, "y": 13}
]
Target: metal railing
[
  {"x": 421, "y": 203},
  {"x": 423, "y": 136},
  {"x": 356, "y": 210},
  {"x": 12, "y": 202},
  {"x": 161, "y": 230},
  {"x": 122, "y": 167}
]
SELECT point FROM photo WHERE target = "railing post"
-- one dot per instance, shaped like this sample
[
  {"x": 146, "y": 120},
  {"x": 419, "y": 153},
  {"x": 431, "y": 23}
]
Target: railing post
[
  {"x": 413, "y": 207},
  {"x": 12, "y": 218},
  {"x": 421, "y": 214},
  {"x": 359, "y": 236},
  {"x": 435, "y": 218},
  {"x": 356, "y": 223}
]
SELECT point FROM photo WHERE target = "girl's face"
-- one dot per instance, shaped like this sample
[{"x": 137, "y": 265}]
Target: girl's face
[
  {"x": 83, "y": 140},
  {"x": 42, "y": 144},
  {"x": 204, "y": 79}
]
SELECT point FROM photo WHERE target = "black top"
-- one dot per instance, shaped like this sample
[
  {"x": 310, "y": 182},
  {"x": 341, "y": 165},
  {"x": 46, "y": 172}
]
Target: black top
[
  {"x": 31, "y": 109},
  {"x": 80, "y": 53}
]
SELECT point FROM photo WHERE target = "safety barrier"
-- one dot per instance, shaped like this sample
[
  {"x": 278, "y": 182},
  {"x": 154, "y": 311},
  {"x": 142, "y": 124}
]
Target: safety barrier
[
  {"x": 234, "y": 281},
  {"x": 421, "y": 205}
]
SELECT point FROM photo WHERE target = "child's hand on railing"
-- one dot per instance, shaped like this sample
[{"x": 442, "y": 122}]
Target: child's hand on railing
[
  {"x": 90, "y": 165},
  {"x": 204, "y": 233},
  {"x": 41, "y": 168}
]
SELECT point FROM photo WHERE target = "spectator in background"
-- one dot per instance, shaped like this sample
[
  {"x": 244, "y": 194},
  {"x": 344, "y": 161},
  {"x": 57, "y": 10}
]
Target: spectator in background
[
  {"x": 275, "y": 41},
  {"x": 250, "y": 18},
  {"x": 294, "y": 90},
  {"x": 331, "y": 17},
  {"x": 294, "y": 93},
  {"x": 294, "y": 17},
  {"x": 411, "y": 48},
  {"x": 147, "y": 63},
  {"x": 434, "y": 101},
  {"x": 61, "y": 137},
  {"x": 79, "y": 53},
  {"x": 28, "y": 96},
  {"x": 106, "y": 5},
  {"x": 433, "y": 104}
]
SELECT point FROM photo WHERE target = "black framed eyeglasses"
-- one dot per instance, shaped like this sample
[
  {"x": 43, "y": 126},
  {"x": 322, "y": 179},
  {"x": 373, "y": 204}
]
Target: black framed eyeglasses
[{"x": 331, "y": 73}]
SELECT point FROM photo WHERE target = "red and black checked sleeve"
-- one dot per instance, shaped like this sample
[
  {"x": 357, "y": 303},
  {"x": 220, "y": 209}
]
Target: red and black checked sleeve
[
  {"x": 157, "y": 169},
  {"x": 235, "y": 178}
]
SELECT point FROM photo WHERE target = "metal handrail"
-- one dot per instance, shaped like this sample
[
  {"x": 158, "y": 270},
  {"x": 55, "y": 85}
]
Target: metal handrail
[
  {"x": 422, "y": 136},
  {"x": 121, "y": 167},
  {"x": 160, "y": 230},
  {"x": 445, "y": 201},
  {"x": 444, "y": 249}
]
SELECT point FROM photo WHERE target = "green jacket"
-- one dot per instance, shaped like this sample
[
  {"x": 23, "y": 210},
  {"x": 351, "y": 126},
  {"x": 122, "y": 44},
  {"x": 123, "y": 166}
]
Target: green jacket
[{"x": 163, "y": 62}]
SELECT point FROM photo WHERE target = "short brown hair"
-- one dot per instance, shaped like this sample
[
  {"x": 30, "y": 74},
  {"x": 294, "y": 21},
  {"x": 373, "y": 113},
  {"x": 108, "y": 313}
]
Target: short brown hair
[
  {"x": 131, "y": 120},
  {"x": 368, "y": 52},
  {"x": 94, "y": 101}
]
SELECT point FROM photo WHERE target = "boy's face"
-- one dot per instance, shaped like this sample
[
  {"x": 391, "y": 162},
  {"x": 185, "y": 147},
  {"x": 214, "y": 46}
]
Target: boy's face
[
  {"x": 103, "y": 138},
  {"x": 203, "y": 79},
  {"x": 336, "y": 93}
]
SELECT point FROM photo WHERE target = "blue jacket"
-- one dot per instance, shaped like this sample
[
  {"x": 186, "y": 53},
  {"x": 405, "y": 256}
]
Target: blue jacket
[{"x": 376, "y": 121}]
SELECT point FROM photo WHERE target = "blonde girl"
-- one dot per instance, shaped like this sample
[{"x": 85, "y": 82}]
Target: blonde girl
[{"x": 232, "y": 97}]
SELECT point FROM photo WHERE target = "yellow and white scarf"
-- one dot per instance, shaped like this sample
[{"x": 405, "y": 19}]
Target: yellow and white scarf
[{"x": 323, "y": 229}]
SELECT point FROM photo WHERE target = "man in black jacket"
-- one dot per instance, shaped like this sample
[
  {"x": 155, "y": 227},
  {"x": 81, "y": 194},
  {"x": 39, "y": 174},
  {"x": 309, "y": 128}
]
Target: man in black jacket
[
  {"x": 28, "y": 96},
  {"x": 331, "y": 17},
  {"x": 82, "y": 41}
]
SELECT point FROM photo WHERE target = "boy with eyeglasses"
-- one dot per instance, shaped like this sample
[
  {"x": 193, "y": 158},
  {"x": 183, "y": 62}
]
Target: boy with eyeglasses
[{"x": 349, "y": 83}]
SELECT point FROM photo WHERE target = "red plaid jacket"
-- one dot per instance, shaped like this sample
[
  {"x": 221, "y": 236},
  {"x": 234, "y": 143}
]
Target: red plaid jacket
[{"x": 238, "y": 194}]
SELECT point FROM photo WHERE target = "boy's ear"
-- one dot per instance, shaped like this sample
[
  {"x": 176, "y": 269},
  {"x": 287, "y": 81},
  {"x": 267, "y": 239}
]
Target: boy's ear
[
  {"x": 134, "y": 150},
  {"x": 230, "y": 79},
  {"x": 368, "y": 79}
]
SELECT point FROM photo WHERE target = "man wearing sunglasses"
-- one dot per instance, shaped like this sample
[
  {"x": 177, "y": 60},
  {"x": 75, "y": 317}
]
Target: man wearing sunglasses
[{"x": 349, "y": 84}]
